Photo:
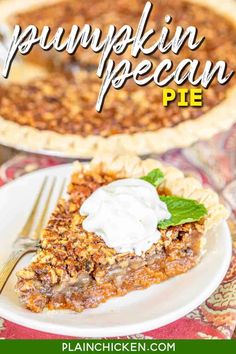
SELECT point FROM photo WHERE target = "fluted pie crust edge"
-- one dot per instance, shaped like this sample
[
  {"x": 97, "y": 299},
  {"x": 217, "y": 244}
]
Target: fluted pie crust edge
[
  {"x": 175, "y": 182},
  {"x": 218, "y": 119}
]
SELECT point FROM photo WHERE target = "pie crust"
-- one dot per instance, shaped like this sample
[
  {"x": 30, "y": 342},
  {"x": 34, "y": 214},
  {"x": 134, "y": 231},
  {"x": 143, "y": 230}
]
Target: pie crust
[
  {"x": 219, "y": 118},
  {"x": 176, "y": 183},
  {"x": 74, "y": 269}
]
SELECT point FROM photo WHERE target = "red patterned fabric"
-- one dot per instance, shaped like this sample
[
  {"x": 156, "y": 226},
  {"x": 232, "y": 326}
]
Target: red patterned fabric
[{"x": 214, "y": 162}]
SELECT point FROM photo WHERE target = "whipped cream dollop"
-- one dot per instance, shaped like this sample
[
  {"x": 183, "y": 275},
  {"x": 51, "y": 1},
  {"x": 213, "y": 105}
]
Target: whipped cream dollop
[{"x": 125, "y": 214}]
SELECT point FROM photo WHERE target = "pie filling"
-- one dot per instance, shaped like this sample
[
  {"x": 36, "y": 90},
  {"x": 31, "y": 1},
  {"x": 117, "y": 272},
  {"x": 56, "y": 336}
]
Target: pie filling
[
  {"x": 66, "y": 13},
  {"x": 75, "y": 269},
  {"x": 66, "y": 105}
]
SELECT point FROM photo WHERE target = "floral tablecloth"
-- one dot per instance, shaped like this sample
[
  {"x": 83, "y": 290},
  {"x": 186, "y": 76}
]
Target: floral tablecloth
[{"x": 214, "y": 162}]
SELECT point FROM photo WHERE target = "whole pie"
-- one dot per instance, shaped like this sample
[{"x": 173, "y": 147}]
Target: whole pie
[
  {"x": 56, "y": 112},
  {"x": 76, "y": 269}
]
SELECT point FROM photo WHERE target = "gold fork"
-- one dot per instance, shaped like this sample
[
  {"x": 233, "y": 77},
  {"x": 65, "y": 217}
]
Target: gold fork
[{"x": 28, "y": 239}]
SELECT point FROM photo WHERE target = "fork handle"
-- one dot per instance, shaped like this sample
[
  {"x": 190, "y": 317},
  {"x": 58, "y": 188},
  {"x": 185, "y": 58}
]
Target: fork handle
[{"x": 10, "y": 264}]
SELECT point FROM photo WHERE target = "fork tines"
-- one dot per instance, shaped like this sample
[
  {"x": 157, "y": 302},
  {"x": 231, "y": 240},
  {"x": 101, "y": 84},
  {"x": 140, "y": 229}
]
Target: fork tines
[{"x": 42, "y": 205}]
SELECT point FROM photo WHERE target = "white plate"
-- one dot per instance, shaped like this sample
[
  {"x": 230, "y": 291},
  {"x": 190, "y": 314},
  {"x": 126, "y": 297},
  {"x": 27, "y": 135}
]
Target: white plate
[{"x": 136, "y": 312}]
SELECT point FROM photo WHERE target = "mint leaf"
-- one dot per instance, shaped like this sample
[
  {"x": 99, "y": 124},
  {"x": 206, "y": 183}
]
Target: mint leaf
[
  {"x": 182, "y": 211},
  {"x": 155, "y": 177}
]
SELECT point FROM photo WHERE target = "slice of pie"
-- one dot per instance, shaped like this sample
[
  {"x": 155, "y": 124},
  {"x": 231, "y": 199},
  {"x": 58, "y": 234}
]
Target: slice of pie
[{"x": 76, "y": 269}]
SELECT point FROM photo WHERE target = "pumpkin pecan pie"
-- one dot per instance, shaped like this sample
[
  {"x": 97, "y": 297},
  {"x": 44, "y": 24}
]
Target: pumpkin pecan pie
[
  {"x": 57, "y": 113},
  {"x": 76, "y": 269}
]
